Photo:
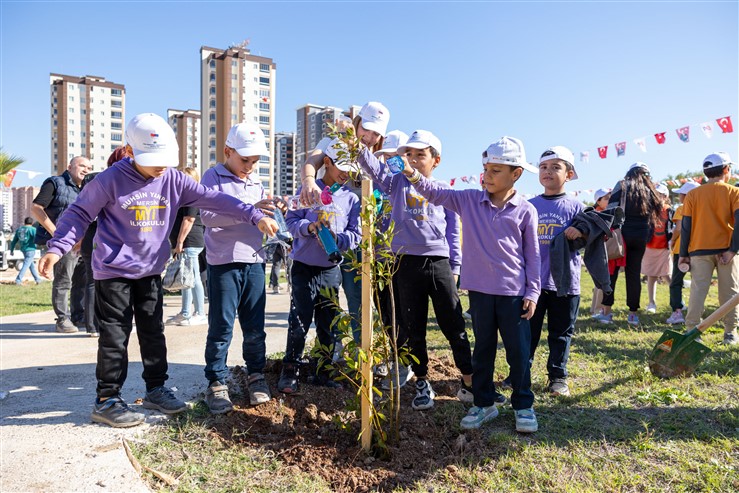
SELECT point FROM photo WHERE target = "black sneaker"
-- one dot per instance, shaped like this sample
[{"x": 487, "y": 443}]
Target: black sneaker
[
  {"x": 506, "y": 384},
  {"x": 499, "y": 399},
  {"x": 425, "y": 395},
  {"x": 163, "y": 399},
  {"x": 288, "y": 382},
  {"x": 558, "y": 386},
  {"x": 116, "y": 413}
]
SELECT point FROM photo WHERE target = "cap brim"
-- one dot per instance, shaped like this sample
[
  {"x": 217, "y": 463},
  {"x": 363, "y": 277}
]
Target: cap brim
[
  {"x": 258, "y": 150},
  {"x": 380, "y": 128},
  {"x": 149, "y": 159},
  {"x": 346, "y": 167},
  {"x": 388, "y": 150},
  {"x": 527, "y": 166},
  {"x": 413, "y": 145}
]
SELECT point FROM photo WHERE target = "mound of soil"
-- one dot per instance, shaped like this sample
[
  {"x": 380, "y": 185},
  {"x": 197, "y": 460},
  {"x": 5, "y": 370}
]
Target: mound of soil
[{"x": 313, "y": 432}]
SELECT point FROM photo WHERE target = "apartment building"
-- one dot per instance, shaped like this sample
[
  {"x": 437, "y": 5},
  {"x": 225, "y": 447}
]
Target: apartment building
[{"x": 186, "y": 126}]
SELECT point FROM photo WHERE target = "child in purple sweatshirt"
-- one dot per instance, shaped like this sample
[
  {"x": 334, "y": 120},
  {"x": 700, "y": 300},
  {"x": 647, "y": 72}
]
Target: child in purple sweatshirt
[
  {"x": 501, "y": 275},
  {"x": 426, "y": 243},
  {"x": 312, "y": 270},
  {"x": 136, "y": 202}
]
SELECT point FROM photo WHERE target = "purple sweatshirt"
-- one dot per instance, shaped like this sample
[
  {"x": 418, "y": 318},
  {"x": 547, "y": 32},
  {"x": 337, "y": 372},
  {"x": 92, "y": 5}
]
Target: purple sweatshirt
[
  {"x": 556, "y": 212},
  {"x": 135, "y": 216},
  {"x": 421, "y": 228},
  {"x": 226, "y": 238},
  {"x": 343, "y": 215},
  {"x": 500, "y": 245}
]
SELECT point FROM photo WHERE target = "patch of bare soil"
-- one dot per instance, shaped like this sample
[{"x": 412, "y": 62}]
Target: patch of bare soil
[{"x": 304, "y": 431}]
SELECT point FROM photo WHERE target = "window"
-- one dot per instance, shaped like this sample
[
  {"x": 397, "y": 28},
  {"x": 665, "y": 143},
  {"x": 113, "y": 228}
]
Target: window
[
  {"x": 234, "y": 77},
  {"x": 212, "y": 130},
  {"x": 212, "y": 156},
  {"x": 71, "y": 98},
  {"x": 115, "y": 114},
  {"x": 83, "y": 99},
  {"x": 264, "y": 67},
  {"x": 264, "y": 106},
  {"x": 212, "y": 142},
  {"x": 212, "y": 103},
  {"x": 212, "y": 63},
  {"x": 83, "y": 146},
  {"x": 264, "y": 81},
  {"x": 212, "y": 77},
  {"x": 263, "y": 93},
  {"x": 112, "y": 147},
  {"x": 115, "y": 92},
  {"x": 71, "y": 121},
  {"x": 264, "y": 120},
  {"x": 54, "y": 145},
  {"x": 55, "y": 111},
  {"x": 263, "y": 172},
  {"x": 115, "y": 104},
  {"x": 71, "y": 144},
  {"x": 55, "y": 101},
  {"x": 212, "y": 117},
  {"x": 83, "y": 134},
  {"x": 212, "y": 91},
  {"x": 234, "y": 63},
  {"x": 116, "y": 126},
  {"x": 116, "y": 137}
]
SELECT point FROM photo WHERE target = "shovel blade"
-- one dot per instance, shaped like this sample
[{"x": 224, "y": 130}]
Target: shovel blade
[{"x": 676, "y": 354}]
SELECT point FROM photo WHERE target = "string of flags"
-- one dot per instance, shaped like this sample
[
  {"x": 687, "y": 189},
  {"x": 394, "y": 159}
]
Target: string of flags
[{"x": 683, "y": 135}]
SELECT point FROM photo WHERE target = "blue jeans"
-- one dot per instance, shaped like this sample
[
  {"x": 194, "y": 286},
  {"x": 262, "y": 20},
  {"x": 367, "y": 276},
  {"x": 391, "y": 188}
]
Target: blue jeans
[
  {"x": 28, "y": 263},
  {"x": 490, "y": 314},
  {"x": 307, "y": 302},
  {"x": 353, "y": 292},
  {"x": 197, "y": 292},
  {"x": 561, "y": 312},
  {"x": 235, "y": 289}
]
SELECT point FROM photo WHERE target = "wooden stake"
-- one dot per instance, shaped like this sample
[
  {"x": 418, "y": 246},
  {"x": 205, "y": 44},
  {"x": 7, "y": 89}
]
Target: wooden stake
[{"x": 366, "y": 369}]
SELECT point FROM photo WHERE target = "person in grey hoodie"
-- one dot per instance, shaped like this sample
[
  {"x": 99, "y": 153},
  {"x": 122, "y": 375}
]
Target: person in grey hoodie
[{"x": 136, "y": 202}]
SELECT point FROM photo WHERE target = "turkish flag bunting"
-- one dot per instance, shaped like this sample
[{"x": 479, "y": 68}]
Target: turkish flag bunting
[
  {"x": 481, "y": 180},
  {"x": 620, "y": 149},
  {"x": 602, "y": 151},
  {"x": 660, "y": 138},
  {"x": 451, "y": 182},
  {"x": 684, "y": 134},
  {"x": 725, "y": 124},
  {"x": 465, "y": 179}
]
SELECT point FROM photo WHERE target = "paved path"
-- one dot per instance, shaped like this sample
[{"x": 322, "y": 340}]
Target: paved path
[{"x": 47, "y": 442}]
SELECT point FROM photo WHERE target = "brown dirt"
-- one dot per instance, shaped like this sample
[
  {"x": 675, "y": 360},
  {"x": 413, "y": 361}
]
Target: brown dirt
[{"x": 303, "y": 431}]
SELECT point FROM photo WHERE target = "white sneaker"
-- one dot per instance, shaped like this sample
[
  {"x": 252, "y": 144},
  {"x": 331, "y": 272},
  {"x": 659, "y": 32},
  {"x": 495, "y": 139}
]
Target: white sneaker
[
  {"x": 526, "y": 421},
  {"x": 604, "y": 319},
  {"x": 676, "y": 318},
  {"x": 476, "y": 416},
  {"x": 194, "y": 320},
  {"x": 651, "y": 308},
  {"x": 175, "y": 320},
  {"x": 424, "y": 396},
  {"x": 276, "y": 290}
]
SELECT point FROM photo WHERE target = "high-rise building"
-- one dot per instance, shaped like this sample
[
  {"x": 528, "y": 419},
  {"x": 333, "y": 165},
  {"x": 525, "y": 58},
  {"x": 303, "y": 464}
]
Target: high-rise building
[
  {"x": 22, "y": 200},
  {"x": 235, "y": 87},
  {"x": 285, "y": 179},
  {"x": 87, "y": 118},
  {"x": 6, "y": 208},
  {"x": 186, "y": 126},
  {"x": 312, "y": 126}
]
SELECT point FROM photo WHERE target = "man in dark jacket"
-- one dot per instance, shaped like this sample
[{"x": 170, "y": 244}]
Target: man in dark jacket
[{"x": 56, "y": 194}]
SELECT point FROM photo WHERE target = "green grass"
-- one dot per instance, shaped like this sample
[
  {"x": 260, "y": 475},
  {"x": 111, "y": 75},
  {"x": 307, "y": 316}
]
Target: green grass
[
  {"x": 621, "y": 430},
  {"x": 28, "y": 298}
]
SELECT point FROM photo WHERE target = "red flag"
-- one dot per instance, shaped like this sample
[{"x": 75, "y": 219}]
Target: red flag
[
  {"x": 465, "y": 179},
  {"x": 725, "y": 124},
  {"x": 660, "y": 138},
  {"x": 451, "y": 182},
  {"x": 9, "y": 178},
  {"x": 602, "y": 151},
  {"x": 482, "y": 181}
]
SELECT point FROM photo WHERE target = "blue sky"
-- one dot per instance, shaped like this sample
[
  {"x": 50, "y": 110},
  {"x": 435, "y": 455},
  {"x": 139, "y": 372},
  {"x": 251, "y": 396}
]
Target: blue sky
[{"x": 579, "y": 74}]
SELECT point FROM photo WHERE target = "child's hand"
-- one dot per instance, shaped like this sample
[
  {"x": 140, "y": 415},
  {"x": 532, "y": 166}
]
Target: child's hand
[
  {"x": 573, "y": 233},
  {"x": 46, "y": 264},
  {"x": 280, "y": 204},
  {"x": 310, "y": 193},
  {"x": 266, "y": 206},
  {"x": 268, "y": 226},
  {"x": 528, "y": 308},
  {"x": 726, "y": 257}
]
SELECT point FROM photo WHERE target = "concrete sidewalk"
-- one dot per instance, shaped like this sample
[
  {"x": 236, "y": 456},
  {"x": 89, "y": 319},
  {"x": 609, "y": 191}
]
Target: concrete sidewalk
[{"x": 47, "y": 442}]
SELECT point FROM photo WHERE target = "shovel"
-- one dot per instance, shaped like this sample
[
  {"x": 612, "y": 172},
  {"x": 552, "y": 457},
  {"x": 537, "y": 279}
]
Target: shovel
[{"x": 679, "y": 354}]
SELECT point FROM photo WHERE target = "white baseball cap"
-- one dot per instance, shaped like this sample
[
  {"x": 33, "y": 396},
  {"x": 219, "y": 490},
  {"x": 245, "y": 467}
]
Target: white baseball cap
[
  {"x": 153, "y": 141},
  {"x": 332, "y": 151},
  {"x": 375, "y": 117},
  {"x": 508, "y": 151},
  {"x": 641, "y": 165},
  {"x": 600, "y": 193},
  {"x": 687, "y": 186},
  {"x": 717, "y": 159},
  {"x": 393, "y": 140},
  {"x": 421, "y": 139},
  {"x": 562, "y": 153},
  {"x": 247, "y": 139},
  {"x": 662, "y": 188}
]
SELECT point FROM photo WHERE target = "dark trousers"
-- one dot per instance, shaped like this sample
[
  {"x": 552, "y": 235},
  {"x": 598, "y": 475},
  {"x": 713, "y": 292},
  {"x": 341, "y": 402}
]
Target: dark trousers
[
  {"x": 90, "y": 322},
  {"x": 676, "y": 285},
  {"x": 418, "y": 279},
  {"x": 635, "y": 248},
  {"x": 278, "y": 258},
  {"x": 306, "y": 304},
  {"x": 235, "y": 289},
  {"x": 561, "y": 313},
  {"x": 490, "y": 314},
  {"x": 116, "y": 302},
  {"x": 77, "y": 301}
]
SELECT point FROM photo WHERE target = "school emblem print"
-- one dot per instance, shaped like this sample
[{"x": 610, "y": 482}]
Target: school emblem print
[
  {"x": 550, "y": 224},
  {"x": 417, "y": 206},
  {"x": 147, "y": 210}
]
